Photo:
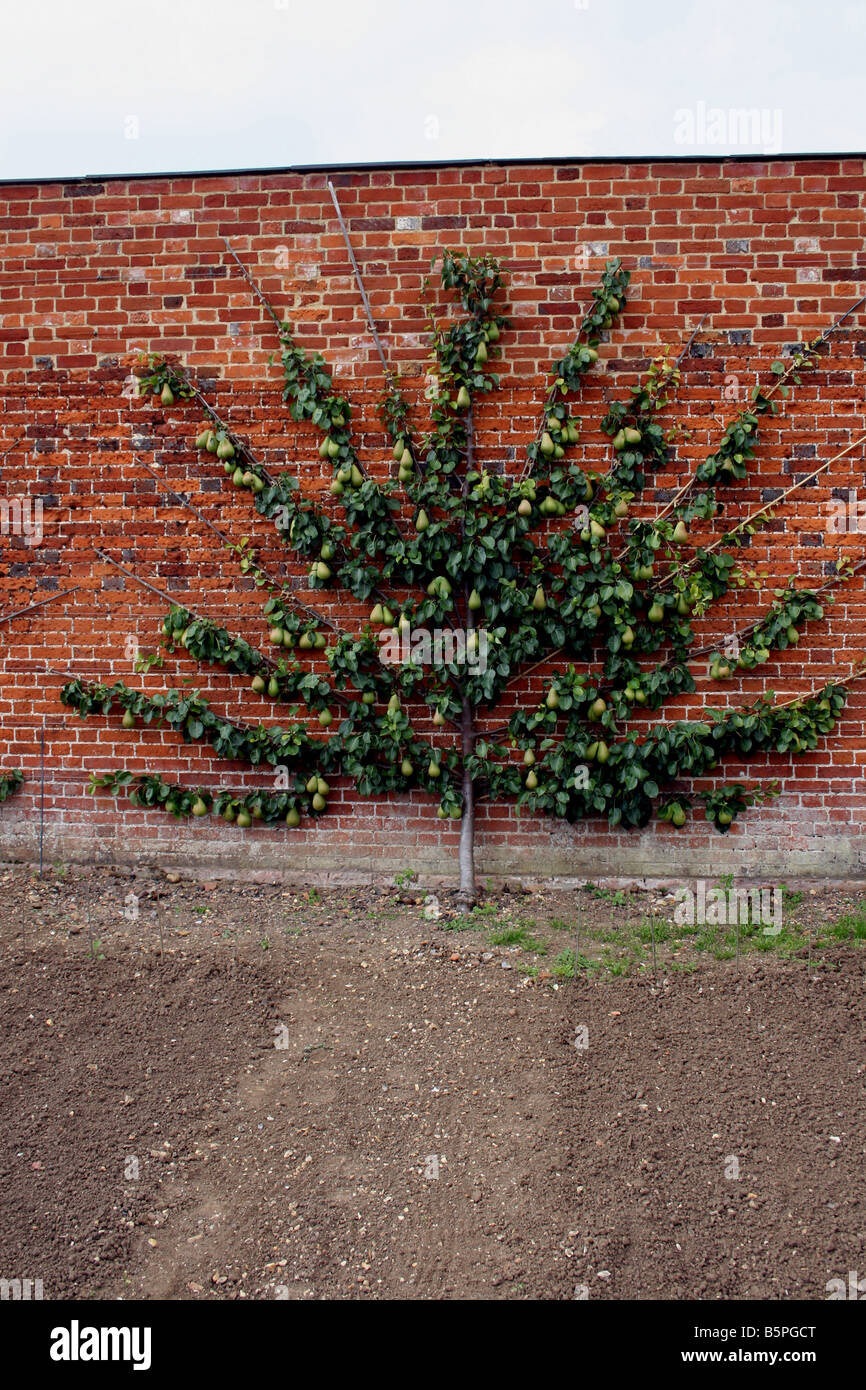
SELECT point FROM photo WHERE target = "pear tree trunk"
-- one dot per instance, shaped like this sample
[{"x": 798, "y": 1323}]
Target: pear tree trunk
[{"x": 466, "y": 894}]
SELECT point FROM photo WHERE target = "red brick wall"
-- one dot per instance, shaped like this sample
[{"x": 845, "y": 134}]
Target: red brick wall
[{"x": 93, "y": 273}]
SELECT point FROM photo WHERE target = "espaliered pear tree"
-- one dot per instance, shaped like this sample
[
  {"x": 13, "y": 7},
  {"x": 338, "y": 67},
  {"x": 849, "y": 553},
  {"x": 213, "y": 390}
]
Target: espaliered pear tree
[{"x": 556, "y": 566}]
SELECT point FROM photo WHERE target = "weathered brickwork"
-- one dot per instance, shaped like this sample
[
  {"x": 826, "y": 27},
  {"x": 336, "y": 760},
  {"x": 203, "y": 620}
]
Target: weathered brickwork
[{"x": 92, "y": 274}]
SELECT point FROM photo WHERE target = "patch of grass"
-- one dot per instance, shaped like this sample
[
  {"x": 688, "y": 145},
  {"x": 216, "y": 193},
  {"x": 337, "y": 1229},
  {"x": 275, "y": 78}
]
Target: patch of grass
[
  {"x": 462, "y": 922},
  {"x": 850, "y": 927},
  {"x": 619, "y": 967},
  {"x": 663, "y": 930},
  {"x": 791, "y": 897},
  {"x": 472, "y": 920},
  {"x": 519, "y": 936},
  {"x": 562, "y": 967}
]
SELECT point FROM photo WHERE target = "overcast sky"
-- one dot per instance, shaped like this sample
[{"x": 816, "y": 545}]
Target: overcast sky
[{"x": 107, "y": 86}]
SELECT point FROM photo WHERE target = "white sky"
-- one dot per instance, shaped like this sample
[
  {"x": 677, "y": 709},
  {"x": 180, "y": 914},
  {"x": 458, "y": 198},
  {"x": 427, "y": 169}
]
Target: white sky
[{"x": 108, "y": 86}]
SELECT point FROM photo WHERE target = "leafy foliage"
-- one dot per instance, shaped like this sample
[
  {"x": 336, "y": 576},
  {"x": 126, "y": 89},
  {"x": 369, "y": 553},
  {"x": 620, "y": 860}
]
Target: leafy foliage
[
  {"x": 450, "y": 544},
  {"x": 10, "y": 782}
]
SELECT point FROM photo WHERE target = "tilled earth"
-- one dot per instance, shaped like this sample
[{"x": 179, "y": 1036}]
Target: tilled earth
[{"x": 282, "y": 1096}]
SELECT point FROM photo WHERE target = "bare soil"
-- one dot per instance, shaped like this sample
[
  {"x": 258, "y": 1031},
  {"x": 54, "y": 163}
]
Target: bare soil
[{"x": 300, "y": 1095}]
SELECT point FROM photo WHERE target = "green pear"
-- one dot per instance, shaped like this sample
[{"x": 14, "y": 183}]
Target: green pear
[
  {"x": 199, "y": 807},
  {"x": 293, "y": 817},
  {"x": 225, "y": 449},
  {"x": 421, "y": 521},
  {"x": 406, "y": 768},
  {"x": 325, "y": 718},
  {"x": 464, "y": 400},
  {"x": 474, "y": 601},
  {"x": 681, "y": 534},
  {"x": 524, "y": 507},
  {"x": 167, "y": 395},
  {"x": 656, "y": 613},
  {"x": 244, "y": 819},
  {"x": 547, "y": 446},
  {"x": 539, "y": 602},
  {"x": 258, "y": 685}
]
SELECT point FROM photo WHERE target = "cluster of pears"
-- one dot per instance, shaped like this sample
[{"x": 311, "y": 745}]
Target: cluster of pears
[
  {"x": 307, "y": 642},
  {"x": 381, "y": 616},
  {"x": 720, "y": 669},
  {"x": 675, "y": 812},
  {"x": 321, "y": 570},
  {"x": 627, "y": 438},
  {"x": 225, "y": 451},
  {"x": 348, "y": 475},
  {"x": 184, "y": 638},
  {"x": 403, "y": 456},
  {"x": 318, "y": 789},
  {"x": 568, "y": 432}
]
